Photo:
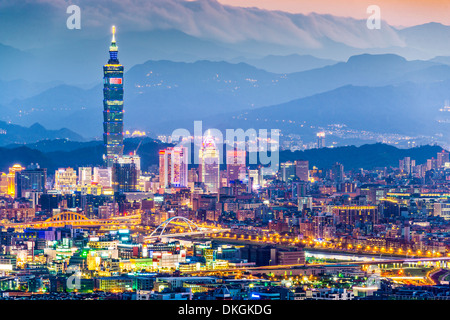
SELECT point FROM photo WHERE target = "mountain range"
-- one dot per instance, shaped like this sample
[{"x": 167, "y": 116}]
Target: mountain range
[
  {"x": 15, "y": 134},
  {"x": 231, "y": 67},
  {"x": 380, "y": 93},
  {"x": 53, "y": 154}
]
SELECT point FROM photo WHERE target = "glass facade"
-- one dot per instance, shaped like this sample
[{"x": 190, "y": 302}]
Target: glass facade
[{"x": 112, "y": 106}]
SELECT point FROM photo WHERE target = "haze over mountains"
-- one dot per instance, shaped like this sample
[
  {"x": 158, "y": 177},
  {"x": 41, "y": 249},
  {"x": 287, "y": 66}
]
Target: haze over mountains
[
  {"x": 54, "y": 154},
  {"x": 230, "y": 67},
  {"x": 368, "y": 92}
]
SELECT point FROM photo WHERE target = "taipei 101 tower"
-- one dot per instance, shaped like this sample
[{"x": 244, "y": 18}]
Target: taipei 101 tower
[{"x": 112, "y": 105}]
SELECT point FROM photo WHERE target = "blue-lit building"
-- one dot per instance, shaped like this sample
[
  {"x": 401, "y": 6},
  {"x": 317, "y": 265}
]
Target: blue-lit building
[{"x": 113, "y": 106}]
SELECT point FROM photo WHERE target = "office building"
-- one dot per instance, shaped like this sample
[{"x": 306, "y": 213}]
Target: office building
[
  {"x": 209, "y": 165},
  {"x": 173, "y": 167},
  {"x": 30, "y": 180},
  {"x": 112, "y": 106},
  {"x": 85, "y": 176},
  {"x": 124, "y": 177},
  {"x": 302, "y": 169},
  {"x": 235, "y": 165},
  {"x": 321, "y": 140},
  {"x": 12, "y": 178},
  {"x": 65, "y": 180},
  {"x": 102, "y": 176}
]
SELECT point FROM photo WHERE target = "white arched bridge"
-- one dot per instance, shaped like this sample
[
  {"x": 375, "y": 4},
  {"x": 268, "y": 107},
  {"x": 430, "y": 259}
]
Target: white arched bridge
[{"x": 185, "y": 223}]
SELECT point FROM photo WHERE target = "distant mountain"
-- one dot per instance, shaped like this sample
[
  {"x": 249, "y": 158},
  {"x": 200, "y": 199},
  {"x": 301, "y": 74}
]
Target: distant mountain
[
  {"x": 193, "y": 29},
  {"x": 367, "y": 156},
  {"x": 163, "y": 95},
  {"x": 46, "y": 146},
  {"x": 408, "y": 109},
  {"x": 11, "y": 134},
  {"x": 90, "y": 154},
  {"x": 57, "y": 154},
  {"x": 429, "y": 37},
  {"x": 286, "y": 64},
  {"x": 21, "y": 89}
]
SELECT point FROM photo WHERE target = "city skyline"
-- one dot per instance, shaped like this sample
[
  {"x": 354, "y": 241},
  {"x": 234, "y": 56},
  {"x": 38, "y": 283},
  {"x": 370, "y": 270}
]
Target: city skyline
[{"x": 266, "y": 155}]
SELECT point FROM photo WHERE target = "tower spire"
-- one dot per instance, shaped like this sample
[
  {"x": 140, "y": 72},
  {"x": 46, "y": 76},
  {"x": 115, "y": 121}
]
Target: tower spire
[{"x": 113, "y": 50}]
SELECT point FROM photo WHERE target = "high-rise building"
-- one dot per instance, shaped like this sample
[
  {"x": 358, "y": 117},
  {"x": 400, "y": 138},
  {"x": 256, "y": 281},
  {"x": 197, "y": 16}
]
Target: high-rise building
[
  {"x": 253, "y": 178},
  {"x": 321, "y": 140},
  {"x": 209, "y": 165},
  {"x": 112, "y": 106},
  {"x": 30, "y": 180},
  {"x": 235, "y": 164},
  {"x": 84, "y": 176},
  {"x": 302, "y": 169},
  {"x": 124, "y": 177},
  {"x": 406, "y": 164},
  {"x": 3, "y": 183},
  {"x": 287, "y": 171},
  {"x": 132, "y": 158},
  {"x": 12, "y": 178},
  {"x": 431, "y": 164},
  {"x": 173, "y": 167},
  {"x": 103, "y": 177},
  {"x": 65, "y": 180},
  {"x": 442, "y": 158},
  {"x": 337, "y": 172}
]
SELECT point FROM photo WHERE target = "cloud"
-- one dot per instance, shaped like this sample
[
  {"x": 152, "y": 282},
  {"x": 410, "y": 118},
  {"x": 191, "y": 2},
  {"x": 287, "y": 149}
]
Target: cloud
[{"x": 206, "y": 19}]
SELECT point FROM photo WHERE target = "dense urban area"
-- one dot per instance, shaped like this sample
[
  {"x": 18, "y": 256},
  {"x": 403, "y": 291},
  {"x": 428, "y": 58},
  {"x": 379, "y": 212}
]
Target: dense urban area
[{"x": 213, "y": 231}]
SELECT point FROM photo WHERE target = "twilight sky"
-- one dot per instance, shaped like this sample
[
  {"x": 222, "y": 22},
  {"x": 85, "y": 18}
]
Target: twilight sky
[{"x": 395, "y": 12}]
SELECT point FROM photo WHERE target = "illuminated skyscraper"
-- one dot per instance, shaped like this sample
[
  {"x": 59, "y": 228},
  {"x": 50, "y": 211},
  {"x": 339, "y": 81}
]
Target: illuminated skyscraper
[
  {"x": 235, "y": 165},
  {"x": 442, "y": 158},
  {"x": 209, "y": 165},
  {"x": 337, "y": 172},
  {"x": 112, "y": 105},
  {"x": 132, "y": 158},
  {"x": 85, "y": 176},
  {"x": 173, "y": 167},
  {"x": 124, "y": 177},
  {"x": 30, "y": 180},
  {"x": 65, "y": 180},
  {"x": 321, "y": 140},
  {"x": 302, "y": 169},
  {"x": 12, "y": 179},
  {"x": 102, "y": 176}
]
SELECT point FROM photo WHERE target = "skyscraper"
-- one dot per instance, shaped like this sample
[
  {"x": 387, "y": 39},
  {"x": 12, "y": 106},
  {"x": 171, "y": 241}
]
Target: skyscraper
[
  {"x": 209, "y": 165},
  {"x": 235, "y": 164},
  {"x": 102, "y": 176},
  {"x": 12, "y": 178},
  {"x": 442, "y": 158},
  {"x": 287, "y": 171},
  {"x": 30, "y": 180},
  {"x": 84, "y": 176},
  {"x": 321, "y": 140},
  {"x": 173, "y": 167},
  {"x": 65, "y": 180},
  {"x": 337, "y": 172},
  {"x": 112, "y": 105},
  {"x": 302, "y": 169},
  {"x": 124, "y": 177}
]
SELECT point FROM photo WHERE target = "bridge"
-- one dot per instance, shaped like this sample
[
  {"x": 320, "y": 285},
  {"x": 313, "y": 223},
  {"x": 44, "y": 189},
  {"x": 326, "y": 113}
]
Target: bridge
[
  {"x": 193, "y": 229},
  {"x": 439, "y": 262},
  {"x": 74, "y": 219}
]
